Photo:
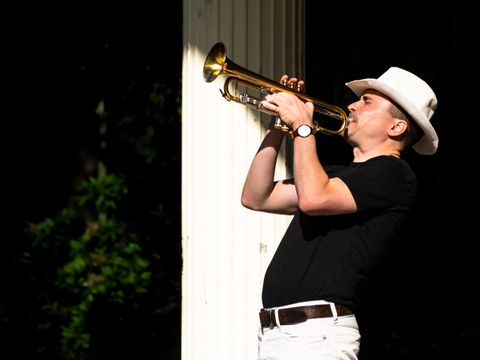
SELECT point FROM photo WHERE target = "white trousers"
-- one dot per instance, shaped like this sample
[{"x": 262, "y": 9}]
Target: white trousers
[{"x": 315, "y": 339}]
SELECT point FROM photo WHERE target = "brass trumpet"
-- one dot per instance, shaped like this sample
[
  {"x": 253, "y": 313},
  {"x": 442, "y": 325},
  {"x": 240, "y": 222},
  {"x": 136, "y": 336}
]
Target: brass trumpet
[{"x": 217, "y": 63}]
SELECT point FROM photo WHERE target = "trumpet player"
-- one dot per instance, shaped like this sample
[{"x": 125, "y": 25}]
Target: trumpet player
[{"x": 345, "y": 218}]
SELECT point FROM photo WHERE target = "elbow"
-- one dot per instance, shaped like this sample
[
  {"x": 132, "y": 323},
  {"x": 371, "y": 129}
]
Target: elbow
[
  {"x": 247, "y": 202},
  {"x": 252, "y": 203},
  {"x": 309, "y": 206},
  {"x": 316, "y": 207}
]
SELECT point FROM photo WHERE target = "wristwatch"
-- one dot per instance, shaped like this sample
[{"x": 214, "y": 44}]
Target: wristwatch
[{"x": 303, "y": 131}]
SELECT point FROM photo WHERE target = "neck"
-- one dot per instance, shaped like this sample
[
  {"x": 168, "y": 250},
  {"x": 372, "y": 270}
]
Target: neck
[{"x": 360, "y": 156}]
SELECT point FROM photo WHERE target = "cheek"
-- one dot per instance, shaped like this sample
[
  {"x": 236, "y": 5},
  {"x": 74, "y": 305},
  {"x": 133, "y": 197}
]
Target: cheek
[{"x": 373, "y": 126}]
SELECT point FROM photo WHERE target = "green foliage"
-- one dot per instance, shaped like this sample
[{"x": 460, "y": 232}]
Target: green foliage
[
  {"x": 105, "y": 191},
  {"x": 104, "y": 264},
  {"x": 105, "y": 271}
]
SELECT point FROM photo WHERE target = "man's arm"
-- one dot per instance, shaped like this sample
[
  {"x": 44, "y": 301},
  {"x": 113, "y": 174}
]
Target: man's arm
[{"x": 260, "y": 191}]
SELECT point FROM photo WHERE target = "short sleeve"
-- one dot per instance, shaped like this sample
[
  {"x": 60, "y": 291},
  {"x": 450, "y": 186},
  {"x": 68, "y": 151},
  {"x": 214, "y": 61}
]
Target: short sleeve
[{"x": 379, "y": 183}]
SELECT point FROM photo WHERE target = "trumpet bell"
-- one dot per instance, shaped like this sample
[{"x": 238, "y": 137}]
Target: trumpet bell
[{"x": 214, "y": 62}]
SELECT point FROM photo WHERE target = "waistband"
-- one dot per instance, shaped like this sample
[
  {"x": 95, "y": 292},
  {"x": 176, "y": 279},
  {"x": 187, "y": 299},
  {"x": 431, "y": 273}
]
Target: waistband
[{"x": 298, "y": 314}]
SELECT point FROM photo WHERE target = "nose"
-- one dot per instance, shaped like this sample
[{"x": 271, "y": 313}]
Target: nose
[{"x": 352, "y": 106}]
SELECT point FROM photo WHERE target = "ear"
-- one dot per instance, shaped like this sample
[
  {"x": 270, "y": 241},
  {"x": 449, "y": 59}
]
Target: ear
[{"x": 398, "y": 127}]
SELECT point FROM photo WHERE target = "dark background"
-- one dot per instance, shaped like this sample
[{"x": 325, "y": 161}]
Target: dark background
[
  {"x": 423, "y": 305},
  {"x": 61, "y": 63}
]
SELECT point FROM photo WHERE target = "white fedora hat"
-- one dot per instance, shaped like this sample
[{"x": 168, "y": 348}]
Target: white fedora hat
[{"x": 412, "y": 94}]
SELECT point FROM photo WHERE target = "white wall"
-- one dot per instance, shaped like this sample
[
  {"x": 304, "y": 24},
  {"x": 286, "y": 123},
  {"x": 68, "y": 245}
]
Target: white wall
[{"x": 226, "y": 248}]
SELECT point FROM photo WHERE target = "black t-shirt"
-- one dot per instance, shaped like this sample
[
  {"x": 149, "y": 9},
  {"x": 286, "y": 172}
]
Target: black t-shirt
[{"x": 331, "y": 257}]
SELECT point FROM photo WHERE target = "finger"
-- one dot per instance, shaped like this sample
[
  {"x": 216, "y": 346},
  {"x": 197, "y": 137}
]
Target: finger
[
  {"x": 301, "y": 85},
  {"x": 269, "y": 98},
  {"x": 310, "y": 106},
  {"x": 292, "y": 83},
  {"x": 284, "y": 80},
  {"x": 267, "y": 104}
]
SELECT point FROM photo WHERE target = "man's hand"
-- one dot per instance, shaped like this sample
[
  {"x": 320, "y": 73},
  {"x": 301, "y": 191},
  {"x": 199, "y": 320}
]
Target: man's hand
[{"x": 290, "y": 108}]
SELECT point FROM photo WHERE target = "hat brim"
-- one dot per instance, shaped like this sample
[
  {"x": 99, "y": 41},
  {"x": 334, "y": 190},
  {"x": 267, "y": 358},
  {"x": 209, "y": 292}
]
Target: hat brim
[{"x": 428, "y": 143}]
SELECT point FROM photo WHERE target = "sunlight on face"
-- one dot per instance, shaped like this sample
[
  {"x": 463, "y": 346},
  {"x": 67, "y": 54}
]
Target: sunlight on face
[{"x": 369, "y": 118}]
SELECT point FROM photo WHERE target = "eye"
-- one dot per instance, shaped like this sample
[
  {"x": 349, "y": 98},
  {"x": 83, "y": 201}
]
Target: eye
[{"x": 366, "y": 99}]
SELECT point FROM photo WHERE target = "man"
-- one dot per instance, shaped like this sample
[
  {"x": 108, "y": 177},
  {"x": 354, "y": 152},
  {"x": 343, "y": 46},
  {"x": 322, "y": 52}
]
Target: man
[{"x": 346, "y": 217}]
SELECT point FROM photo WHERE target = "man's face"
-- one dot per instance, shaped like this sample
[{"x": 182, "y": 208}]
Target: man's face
[{"x": 369, "y": 118}]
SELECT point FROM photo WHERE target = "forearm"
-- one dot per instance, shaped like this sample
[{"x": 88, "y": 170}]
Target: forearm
[
  {"x": 311, "y": 179},
  {"x": 259, "y": 182},
  {"x": 317, "y": 193}
]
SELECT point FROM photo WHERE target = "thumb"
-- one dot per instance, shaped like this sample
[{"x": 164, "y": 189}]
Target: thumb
[{"x": 310, "y": 107}]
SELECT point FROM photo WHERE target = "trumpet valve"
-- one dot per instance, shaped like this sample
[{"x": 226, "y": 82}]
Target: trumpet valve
[{"x": 279, "y": 125}]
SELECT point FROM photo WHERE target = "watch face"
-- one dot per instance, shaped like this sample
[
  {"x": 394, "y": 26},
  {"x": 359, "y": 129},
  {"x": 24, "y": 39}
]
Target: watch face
[{"x": 304, "y": 130}]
